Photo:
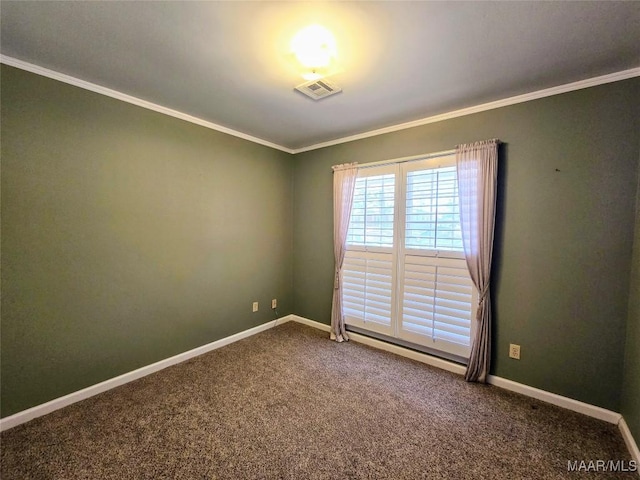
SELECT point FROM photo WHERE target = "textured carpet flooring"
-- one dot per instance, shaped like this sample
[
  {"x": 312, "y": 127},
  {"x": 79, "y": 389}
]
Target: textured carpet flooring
[{"x": 289, "y": 404}]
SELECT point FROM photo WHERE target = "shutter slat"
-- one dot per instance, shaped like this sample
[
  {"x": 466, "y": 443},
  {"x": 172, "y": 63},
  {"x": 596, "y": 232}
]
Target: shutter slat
[
  {"x": 417, "y": 312},
  {"x": 413, "y": 299},
  {"x": 445, "y": 319},
  {"x": 381, "y": 319},
  {"x": 461, "y": 308},
  {"x": 423, "y": 330},
  {"x": 419, "y": 290},
  {"x": 443, "y": 331}
]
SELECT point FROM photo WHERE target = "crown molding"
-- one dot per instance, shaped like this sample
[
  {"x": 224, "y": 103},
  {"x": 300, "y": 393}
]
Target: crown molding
[
  {"x": 45, "y": 72},
  {"x": 526, "y": 97}
]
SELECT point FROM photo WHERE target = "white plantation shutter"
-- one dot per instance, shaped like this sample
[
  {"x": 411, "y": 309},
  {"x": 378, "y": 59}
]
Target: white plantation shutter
[
  {"x": 372, "y": 214},
  {"x": 367, "y": 284},
  {"x": 432, "y": 212},
  {"x": 436, "y": 295},
  {"x": 437, "y": 299},
  {"x": 368, "y": 279},
  {"x": 404, "y": 272}
]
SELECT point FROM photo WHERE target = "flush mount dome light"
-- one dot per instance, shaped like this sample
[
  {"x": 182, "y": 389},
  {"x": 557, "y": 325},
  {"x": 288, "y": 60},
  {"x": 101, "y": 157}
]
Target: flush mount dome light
[{"x": 315, "y": 48}]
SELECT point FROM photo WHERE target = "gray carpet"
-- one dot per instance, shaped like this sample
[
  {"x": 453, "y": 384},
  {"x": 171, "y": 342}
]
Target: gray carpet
[{"x": 289, "y": 404}]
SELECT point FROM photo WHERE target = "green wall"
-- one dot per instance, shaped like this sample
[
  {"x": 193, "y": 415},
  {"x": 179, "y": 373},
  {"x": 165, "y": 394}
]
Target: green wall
[
  {"x": 563, "y": 238},
  {"x": 128, "y": 236},
  {"x": 631, "y": 386}
]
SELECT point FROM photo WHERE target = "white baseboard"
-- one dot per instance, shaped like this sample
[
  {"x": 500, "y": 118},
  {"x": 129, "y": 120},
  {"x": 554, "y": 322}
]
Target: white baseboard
[
  {"x": 629, "y": 440},
  {"x": 555, "y": 399},
  {"x": 58, "y": 403},
  {"x": 311, "y": 323}
]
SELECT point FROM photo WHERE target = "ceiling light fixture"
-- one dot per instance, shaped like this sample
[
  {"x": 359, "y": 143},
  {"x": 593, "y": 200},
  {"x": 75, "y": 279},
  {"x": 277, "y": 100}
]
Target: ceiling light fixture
[{"x": 315, "y": 49}]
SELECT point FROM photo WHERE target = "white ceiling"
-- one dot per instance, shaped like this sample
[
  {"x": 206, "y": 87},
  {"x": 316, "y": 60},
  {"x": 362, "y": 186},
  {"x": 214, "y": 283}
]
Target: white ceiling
[{"x": 228, "y": 62}]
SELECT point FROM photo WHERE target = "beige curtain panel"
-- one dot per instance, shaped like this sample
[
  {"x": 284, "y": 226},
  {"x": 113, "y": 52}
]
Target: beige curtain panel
[
  {"x": 344, "y": 183},
  {"x": 477, "y": 179}
]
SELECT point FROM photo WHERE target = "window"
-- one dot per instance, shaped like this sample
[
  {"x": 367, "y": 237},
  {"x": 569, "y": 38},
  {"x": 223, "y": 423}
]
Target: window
[
  {"x": 372, "y": 213},
  {"x": 368, "y": 278},
  {"x": 404, "y": 272},
  {"x": 432, "y": 214}
]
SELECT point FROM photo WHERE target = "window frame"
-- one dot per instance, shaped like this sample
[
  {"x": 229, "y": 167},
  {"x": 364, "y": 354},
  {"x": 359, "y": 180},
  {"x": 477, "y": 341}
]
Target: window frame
[
  {"x": 375, "y": 172},
  {"x": 399, "y": 252},
  {"x": 373, "y": 252},
  {"x": 425, "y": 164}
]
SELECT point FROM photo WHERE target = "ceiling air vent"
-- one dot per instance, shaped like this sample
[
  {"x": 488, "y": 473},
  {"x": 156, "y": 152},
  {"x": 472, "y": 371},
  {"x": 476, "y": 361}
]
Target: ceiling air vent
[{"x": 318, "y": 89}]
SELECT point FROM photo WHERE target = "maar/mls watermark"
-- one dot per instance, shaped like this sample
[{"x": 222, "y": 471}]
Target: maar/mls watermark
[{"x": 602, "y": 466}]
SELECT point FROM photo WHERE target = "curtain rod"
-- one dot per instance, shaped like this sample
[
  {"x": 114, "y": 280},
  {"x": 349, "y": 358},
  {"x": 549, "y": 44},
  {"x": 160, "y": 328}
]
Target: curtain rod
[{"x": 413, "y": 158}]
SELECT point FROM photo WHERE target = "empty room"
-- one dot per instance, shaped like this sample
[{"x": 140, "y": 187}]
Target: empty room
[{"x": 319, "y": 240}]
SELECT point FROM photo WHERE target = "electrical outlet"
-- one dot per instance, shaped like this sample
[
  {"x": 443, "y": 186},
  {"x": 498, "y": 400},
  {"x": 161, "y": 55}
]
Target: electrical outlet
[
  {"x": 514, "y": 351},
  {"x": 255, "y": 306},
  {"x": 274, "y": 304}
]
